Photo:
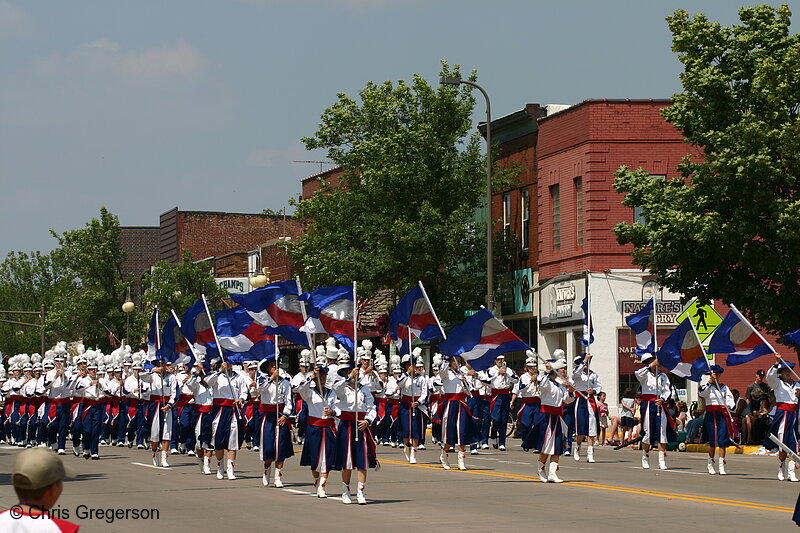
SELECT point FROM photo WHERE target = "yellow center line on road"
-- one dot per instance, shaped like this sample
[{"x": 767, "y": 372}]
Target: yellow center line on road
[{"x": 614, "y": 488}]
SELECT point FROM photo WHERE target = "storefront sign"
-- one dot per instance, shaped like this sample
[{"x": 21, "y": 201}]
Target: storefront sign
[
  {"x": 523, "y": 299},
  {"x": 560, "y": 303},
  {"x": 666, "y": 311},
  {"x": 234, "y": 285}
]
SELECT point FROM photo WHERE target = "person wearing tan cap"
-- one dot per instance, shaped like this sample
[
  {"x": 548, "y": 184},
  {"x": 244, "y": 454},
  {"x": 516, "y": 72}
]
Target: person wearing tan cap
[{"x": 38, "y": 477}]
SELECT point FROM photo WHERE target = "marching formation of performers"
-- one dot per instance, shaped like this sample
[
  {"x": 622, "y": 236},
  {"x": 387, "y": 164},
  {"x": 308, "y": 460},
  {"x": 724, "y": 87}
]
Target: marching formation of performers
[{"x": 341, "y": 409}]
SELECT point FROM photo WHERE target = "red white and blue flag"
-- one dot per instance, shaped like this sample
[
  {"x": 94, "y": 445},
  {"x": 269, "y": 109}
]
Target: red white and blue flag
[
  {"x": 153, "y": 337},
  {"x": 243, "y": 337},
  {"x": 277, "y": 307},
  {"x": 332, "y": 310},
  {"x": 196, "y": 329},
  {"x": 736, "y": 337},
  {"x": 480, "y": 339},
  {"x": 644, "y": 326},
  {"x": 413, "y": 315},
  {"x": 174, "y": 347},
  {"x": 682, "y": 353},
  {"x": 588, "y": 328}
]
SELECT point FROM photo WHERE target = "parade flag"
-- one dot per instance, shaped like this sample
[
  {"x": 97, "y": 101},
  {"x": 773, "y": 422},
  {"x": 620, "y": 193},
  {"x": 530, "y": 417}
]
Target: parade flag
[
  {"x": 174, "y": 347},
  {"x": 413, "y": 315},
  {"x": 480, "y": 339},
  {"x": 736, "y": 337},
  {"x": 793, "y": 337},
  {"x": 153, "y": 336},
  {"x": 644, "y": 326},
  {"x": 682, "y": 353},
  {"x": 241, "y": 335},
  {"x": 588, "y": 328},
  {"x": 332, "y": 310},
  {"x": 277, "y": 307},
  {"x": 196, "y": 329}
]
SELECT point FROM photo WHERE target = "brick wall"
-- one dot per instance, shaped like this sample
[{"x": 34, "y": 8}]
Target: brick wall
[
  {"x": 141, "y": 245},
  {"x": 311, "y": 184}
]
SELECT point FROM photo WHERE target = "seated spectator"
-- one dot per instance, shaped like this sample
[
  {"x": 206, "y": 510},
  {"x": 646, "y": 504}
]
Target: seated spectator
[
  {"x": 761, "y": 422},
  {"x": 681, "y": 416},
  {"x": 738, "y": 413},
  {"x": 694, "y": 425}
]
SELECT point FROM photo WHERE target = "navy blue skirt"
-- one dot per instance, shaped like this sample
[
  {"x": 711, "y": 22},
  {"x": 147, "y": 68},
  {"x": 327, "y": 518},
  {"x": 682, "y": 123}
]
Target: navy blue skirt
[
  {"x": 715, "y": 429},
  {"x": 350, "y": 454},
  {"x": 458, "y": 426},
  {"x": 285, "y": 448},
  {"x": 318, "y": 448},
  {"x": 410, "y": 426}
]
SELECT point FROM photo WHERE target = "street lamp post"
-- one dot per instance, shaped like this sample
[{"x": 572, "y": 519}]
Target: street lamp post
[{"x": 447, "y": 80}]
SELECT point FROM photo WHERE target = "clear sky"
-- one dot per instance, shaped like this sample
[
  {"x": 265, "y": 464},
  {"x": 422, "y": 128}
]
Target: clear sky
[{"x": 145, "y": 105}]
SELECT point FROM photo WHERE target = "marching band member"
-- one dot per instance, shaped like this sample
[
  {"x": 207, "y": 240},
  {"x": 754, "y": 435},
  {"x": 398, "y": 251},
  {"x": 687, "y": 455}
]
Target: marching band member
[
  {"x": 320, "y": 442},
  {"x": 655, "y": 419},
  {"x": 183, "y": 414},
  {"x": 11, "y": 406},
  {"x": 163, "y": 394},
  {"x": 784, "y": 425},
  {"x": 355, "y": 447},
  {"x": 392, "y": 393},
  {"x": 275, "y": 431},
  {"x": 132, "y": 388},
  {"x": 414, "y": 393},
  {"x": 435, "y": 398},
  {"x": 549, "y": 433},
  {"x": 89, "y": 387},
  {"x": 27, "y": 392},
  {"x": 382, "y": 419},
  {"x": 113, "y": 418},
  {"x": 43, "y": 435},
  {"x": 717, "y": 422},
  {"x": 229, "y": 391},
  {"x": 501, "y": 380},
  {"x": 201, "y": 415},
  {"x": 300, "y": 407},
  {"x": 3, "y": 418},
  {"x": 527, "y": 396},
  {"x": 122, "y": 423},
  {"x": 586, "y": 413},
  {"x": 250, "y": 411},
  {"x": 458, "y": 427}
]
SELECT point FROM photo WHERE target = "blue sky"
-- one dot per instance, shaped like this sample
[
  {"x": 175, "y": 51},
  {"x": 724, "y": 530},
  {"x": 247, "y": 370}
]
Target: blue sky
[{"x": 147, "y": 105}]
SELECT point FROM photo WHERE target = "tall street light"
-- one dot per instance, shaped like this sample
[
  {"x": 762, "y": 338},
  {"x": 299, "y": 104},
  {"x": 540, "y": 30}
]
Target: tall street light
[{"x": 447, "y": 80}]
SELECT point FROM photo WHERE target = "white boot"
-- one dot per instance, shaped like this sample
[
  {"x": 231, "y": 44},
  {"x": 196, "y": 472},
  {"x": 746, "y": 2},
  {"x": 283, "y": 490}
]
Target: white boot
[
  {"x": 711, "y": 466},
  {"x": 321, "y": 488},
  {"x": 265, "y": 478},
  {"x": 278, "y": 476},
  {"x": 540, "y": 470},
  {"x": 553, "y": 477},
  {"x": 444, "y": 460},
  {"x": 791, "y": 476},
  {"x": 590, "y": 454},
  {"x": 645, "y": 460},
  {"x": 782, "y": 471},
  {"x": 407, "y": 453},
  {"x": 412, "y": 457},
  {"x": 221, "y": 468},
  {"x": 722, "y": 471},
  {"x": 164, "y": 462},
  {"x": 155, "y": 460},
  {"x": 207, "y": 466},
  {"x": 462, "y": 460},
  {"x": 230, "y": 470},
  {"x": 346, "y": 493},
  {"x": 360, "y": 497},
  {"x": 200, "y": 461},
  {"x": 576, "y": 452},
  {"x": 661, "y": 460}
]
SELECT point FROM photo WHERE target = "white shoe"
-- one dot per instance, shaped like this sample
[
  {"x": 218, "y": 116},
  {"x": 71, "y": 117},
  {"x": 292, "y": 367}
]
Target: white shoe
[
  {"x": 662, "y": 464},
  {"x": 346, "y": 494},
  {"x": 61, "y": 451},
  {"x": 474, "y": 452},
  {"x": 790, "y": 471},
  {"x": 155, "y": 460},
  {"x": 103, "y": 443},
  {"x": 220, "y": 470},
  {"x": 255, "y": 448},
  {"x": 421, "y": 447},
  {"x": 645, "y": 460},
  {"x": 590, "y": 454},
  {"x": 443, "y": 460},
  {"x": 95, "y": 457},
  {"x": 278, "y": 476},
  {"x": 484, "y": 446},
  {"x": 394, "y": 445},
  {"x": 42, "y": 445},
  {"x": 140, "y": 446},
  {"x": 321, "y": 491},
  {"x": 190, "y": 453},
  {"x": 540, "y": 467},
  {"x": 782, "y": 471},
  {"x": 412, "y": 457},
  {"x": 230, "y": 470},
  {"x": 76, "y": 451},
  {"x": 462, "y": 460},
  {"x": 577, "y": 454},
  {"x": 552, "y": 476},
  {"x": 174, "y": 451},
  {"x": 164, "y": 462},
  {"x": 722, "y": 471},
  {"x": 362, "y": 500},
  {"x": 711, "y": 466},
  {"x": 265, "y": 479},
  {"x": 502, "y": 447},
  {"x": 406, "y": 452},
  {"x": 207, "y": 466}
]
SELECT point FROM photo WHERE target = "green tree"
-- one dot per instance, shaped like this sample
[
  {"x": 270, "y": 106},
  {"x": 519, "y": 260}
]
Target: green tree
[
  {"x": 178, "y": 285},
  {"x": 729, "y": 227},
  {"x": 413, "y": 177},
  {"x": 92, "y": 258}
]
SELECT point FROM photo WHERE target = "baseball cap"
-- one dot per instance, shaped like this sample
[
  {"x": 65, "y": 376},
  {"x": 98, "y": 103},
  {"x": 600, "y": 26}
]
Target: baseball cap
[{"x": 36, "y": 468}]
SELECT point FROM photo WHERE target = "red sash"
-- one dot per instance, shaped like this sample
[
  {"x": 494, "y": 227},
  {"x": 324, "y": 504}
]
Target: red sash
[
  {"x": 202, "y": 408},
  {"x": 552, "y": 409},
  {"x": 321, "y": 422},
  {"x": 351, "y": 415},
  {"x": 409, "y": 399},
  {"x": 52, "y": 408},
  {"x": 87, "y": 403},
  {"x": 395, "y": 413},
  {"x": 380, "y": 407},
  {"x": 652, "y": 398},
  {"x": 159, "y": 399},
  {"x": 727, "y": 416},
  {"x": 298, "y": 403},
  {"x": 270, "y": 408},
  {"x": 224, "y": 402},
  {"x": 495, "y": 394},
  {"x": 786, "y": 406}
]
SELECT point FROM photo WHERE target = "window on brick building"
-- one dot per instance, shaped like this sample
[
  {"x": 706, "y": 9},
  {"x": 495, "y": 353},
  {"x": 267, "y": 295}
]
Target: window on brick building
[
  {"x": 506, "y": 214},
  {"x": 555, "y": 207},
  {"x": 526, "y": 215},
  {"x": 579, "y": 210}
]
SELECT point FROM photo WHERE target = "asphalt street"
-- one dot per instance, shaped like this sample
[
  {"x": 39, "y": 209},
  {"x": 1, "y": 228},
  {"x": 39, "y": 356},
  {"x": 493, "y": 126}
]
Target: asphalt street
[{"x": 500, "y": 491}]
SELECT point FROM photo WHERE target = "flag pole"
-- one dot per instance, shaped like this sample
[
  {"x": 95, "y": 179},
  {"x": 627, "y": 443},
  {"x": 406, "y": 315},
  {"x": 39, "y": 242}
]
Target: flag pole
[
  {"x": 355, "y": 341},
  {"x": 433, "y": 311},
  {"x": 412, "y": 369},
  {"x": 277, "y": 405},
  {"x": 158, "y": 334},
  {"x": 309, "y": 339},
  {"x": 191, "y": 347},
  {"x": 588, "y": 323},
  {"x": 760, "y": 336},
  {"x": 222, "y": 356},
  {"x": 705, "y": 356}
]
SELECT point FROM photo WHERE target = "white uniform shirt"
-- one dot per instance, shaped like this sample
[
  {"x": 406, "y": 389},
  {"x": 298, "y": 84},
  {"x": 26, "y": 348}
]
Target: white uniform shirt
[
  {"x": 202, "y": 393},
  {"x": 583, "y": 381},
  {"x": 496, "y": 380},
  {"x": 714, "y": 396},
  {"x": 315, "y": 400},
  {"x": 784, "y": 392},
  {"x": 161, "y": 385},
  {"x": 452, "y": 379},
  {"x": 275, "y": 393},
  {"x": 655, "y": 385},
  {"x": 527, "y": 386},
  {"x": 552, "y": 393},
  {"x": 57, "y": 387},
  {"x": 227, "y": 386},
  {"x": 350, "y": 400}
]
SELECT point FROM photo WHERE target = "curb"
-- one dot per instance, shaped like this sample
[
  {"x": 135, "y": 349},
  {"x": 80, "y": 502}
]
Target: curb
[{"x": 742, "y": 450}]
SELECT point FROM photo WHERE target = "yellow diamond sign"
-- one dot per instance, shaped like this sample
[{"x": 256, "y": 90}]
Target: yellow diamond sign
[{"x": 703, "y": 316}]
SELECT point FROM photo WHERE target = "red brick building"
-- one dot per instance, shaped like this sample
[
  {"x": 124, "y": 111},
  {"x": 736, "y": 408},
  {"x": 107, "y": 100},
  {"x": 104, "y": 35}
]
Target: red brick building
[{"x": 141, "y": 245}]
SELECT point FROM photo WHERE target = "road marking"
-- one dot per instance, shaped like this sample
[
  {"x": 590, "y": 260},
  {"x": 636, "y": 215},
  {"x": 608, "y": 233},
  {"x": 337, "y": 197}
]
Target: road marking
[
  {"x": 671, "y": 470},
  {"x": 306, "y": 493},
  {"x": 613, "y": 488},
  {"x": 150, "y": 466}
]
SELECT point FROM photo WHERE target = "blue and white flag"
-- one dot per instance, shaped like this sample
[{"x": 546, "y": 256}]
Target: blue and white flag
[{"x": 644, "y": 326}]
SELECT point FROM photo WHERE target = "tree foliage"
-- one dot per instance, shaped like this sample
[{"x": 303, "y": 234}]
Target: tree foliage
[
  {"x": 178, "y": 285},
  {"x": 404, "y": 210},
  {"x": 729, "y": 228}
]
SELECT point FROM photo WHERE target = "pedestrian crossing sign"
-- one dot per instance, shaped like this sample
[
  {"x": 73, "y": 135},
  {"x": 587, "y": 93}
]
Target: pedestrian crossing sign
[{"x": 703, "y": 316}]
